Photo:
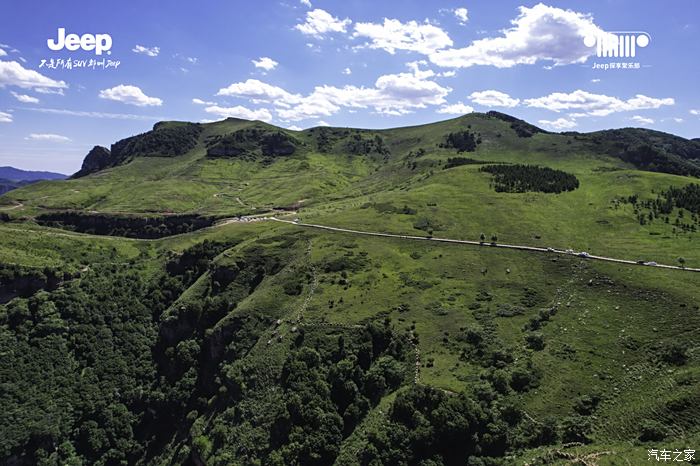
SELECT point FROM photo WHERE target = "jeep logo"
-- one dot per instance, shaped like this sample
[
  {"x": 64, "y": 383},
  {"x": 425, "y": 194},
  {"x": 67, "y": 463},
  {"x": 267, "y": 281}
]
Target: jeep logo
[{"x": 72, "y": 42}]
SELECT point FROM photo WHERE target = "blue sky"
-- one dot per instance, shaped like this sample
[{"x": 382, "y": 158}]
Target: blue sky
[{"x": 299, "y": 64}]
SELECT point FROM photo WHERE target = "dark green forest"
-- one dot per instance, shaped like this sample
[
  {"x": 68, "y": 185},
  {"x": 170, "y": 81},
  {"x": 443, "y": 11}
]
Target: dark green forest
[{"x": 519, "y": 178}]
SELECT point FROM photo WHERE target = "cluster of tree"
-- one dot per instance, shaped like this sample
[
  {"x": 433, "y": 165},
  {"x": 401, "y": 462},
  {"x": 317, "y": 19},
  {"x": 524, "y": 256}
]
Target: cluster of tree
[
  {"x": 24, "y": 281},
  {"x": 522, "y": 128},
  {"x": 519, "y": 178},
  {"x": 328, "y": 390},
  {"x": 357, "y": 144},
  {"x": 662, "y": 208},
  {"x": 166, "y": 140},
  {"x": 127, "y": 226},
  {"x": 250, "y": 143},
  {"x": 463, "y": 141},
  {"x": 650, "y": 150},
  {"x": 459, "y": 161}
]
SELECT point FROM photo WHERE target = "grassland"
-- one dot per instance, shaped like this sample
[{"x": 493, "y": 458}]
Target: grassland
[{"x": 602, "y": 329}]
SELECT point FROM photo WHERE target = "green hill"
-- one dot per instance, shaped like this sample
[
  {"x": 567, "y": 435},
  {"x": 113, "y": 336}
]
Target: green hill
[{"x": 152, "y": 313}]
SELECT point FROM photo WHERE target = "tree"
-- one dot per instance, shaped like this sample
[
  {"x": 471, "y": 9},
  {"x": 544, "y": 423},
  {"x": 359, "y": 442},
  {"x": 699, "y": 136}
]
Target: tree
[
  {"x": 494, "y": 238},
  {"x": 482, "y": 237},
  {"x": 681, "y": 260}
]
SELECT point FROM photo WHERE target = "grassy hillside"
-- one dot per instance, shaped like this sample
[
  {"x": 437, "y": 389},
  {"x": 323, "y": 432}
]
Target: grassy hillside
[{"x": 259, "y": 342}]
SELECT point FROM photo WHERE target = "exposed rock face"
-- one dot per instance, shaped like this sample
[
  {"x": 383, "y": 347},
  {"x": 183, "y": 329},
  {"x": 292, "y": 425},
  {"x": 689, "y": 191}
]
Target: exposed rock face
[{"x": 97, "y": 159}]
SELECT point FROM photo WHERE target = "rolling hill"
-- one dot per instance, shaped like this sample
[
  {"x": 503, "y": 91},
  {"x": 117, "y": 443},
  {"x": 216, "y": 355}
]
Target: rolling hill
[{"x": 445, "y": 284}]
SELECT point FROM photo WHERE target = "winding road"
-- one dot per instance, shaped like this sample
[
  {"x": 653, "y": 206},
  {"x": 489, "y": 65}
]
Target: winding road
[{"x": 482, "y": 244}]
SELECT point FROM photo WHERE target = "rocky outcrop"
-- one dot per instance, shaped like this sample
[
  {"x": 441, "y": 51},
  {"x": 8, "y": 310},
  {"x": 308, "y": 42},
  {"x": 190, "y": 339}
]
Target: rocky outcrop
[{"x": 97, "y": 159}]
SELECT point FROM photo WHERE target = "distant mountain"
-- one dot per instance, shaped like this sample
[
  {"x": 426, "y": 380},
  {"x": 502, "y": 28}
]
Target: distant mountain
[
  {"x": 15, "y": 174},
  {"x": 13, "y": 178}
]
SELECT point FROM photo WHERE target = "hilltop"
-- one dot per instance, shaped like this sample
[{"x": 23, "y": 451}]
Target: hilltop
[{"x": 149, "y": 314}]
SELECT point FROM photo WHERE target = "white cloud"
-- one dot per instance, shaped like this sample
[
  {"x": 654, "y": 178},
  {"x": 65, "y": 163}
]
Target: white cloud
[
  {"x": 448, "y": 74},
  {"x": 14, "y": 74},
  {"x": 558, "y": 124},
  {"x": 596, "y": 104},
  {"x": 347, "y": 71},
  {"x": 319, "y": 23},
  {"x": 678, "y": 120},
  {"x": 129, "y": 95},
  {"x": 322, "y": 123},
  {"x": 306, "y": 3},
  {"x": 259, "y": 91},
  {"x": 538, "y": 33},
  {"x": 492, "y": 98},
  {"x": 265, "y": 63},
  {"x": 295, "y": 128},
  {"x": 462, "y": 14},
  {"x": 25, "y": 99},
  {"x": 394, "y": 35},
  {"x": 240, "y": 112},
  {"x": 202, "y": 102},
  {"x": 392, "y": 94},
  {"x": 5, "y": 117},
  {"x": 47, "y": 137},
  {"x": 49, "y": 90},
  {"x": 455, "y": 109},
  {"x": 2, "y": 53},
  {"x": 695, "y": 112},
  {"x": 595, "y": 80},
  {"x": 642, "y": 120},
  {"x": 150, "y": 51}
]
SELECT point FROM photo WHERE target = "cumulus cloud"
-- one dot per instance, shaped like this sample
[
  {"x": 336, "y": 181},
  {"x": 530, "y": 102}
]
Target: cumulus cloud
[
  {"x": 695, "y": 112},
  {"x": 25, "y": 99},
  {"x": 462, "y": 14},
  {"x": 540, "y": 33},
  {"x": 642, "y": 120},
  {"x": 150, "y": 51},
  {"x": 558, "y": 124},
  {"x": 266, "y": 63},
  {"x": 2, "y": 53},
  {"x": 47, "y": 137},
  {"x": 306, "y": 3},
  {"x": 393, "y": 35},
  {"x": 492, "y": 98},
  {"x": 455, "y": 109},
  {"x": 240, "y": 112},
  {"x": 131, "y": 95},
  {"x": 319, "y": 22},
  {"x": 392, "y": 94},
  {"x": 295, "y": 128},
  {"x": 14, "y": 74},
  {"x": 5, "y": 117},
  {"x": 322, "y": 123},
  {"x": 259, "y": 91},
  {"x": 347, "y": 71},
  {"x": 596, "y": 104}
]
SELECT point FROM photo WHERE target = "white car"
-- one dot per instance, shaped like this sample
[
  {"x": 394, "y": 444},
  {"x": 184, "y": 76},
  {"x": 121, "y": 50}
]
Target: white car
[
  {"x": 651, "y": 263},
  {"x": 583, "y": 254}
]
